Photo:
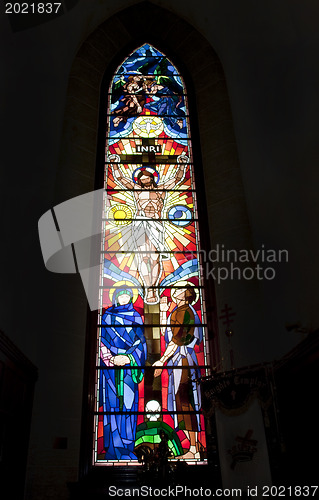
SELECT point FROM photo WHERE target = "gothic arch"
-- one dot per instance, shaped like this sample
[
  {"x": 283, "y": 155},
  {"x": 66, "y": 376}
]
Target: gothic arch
[{"x": 77, "y": 173}]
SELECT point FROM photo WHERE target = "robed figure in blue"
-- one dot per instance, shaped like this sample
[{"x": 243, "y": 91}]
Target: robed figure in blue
[{"x": 122, "y": 345}]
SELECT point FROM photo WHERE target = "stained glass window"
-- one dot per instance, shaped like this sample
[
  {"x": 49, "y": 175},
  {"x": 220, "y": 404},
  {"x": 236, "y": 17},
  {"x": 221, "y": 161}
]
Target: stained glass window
[{"x": 152, "y": 344}]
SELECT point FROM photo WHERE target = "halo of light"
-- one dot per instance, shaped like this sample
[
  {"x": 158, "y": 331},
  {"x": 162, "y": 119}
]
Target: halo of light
[
  {"x": 149, "y": 169},
  {"x": 182, "y": 284}
]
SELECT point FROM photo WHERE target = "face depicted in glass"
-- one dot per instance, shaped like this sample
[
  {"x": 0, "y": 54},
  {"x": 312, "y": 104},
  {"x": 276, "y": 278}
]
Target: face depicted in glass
[
  {"x": 180, "y": 294},
  {"x": 137, "y": 78},
  {"x": 123, "y": 298},
  {"x": 146, "y": 179},
  {"x": 186, "y": 294}
]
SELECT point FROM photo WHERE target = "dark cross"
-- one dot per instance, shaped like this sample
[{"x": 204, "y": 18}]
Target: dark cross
[
  {"x": 246, "y": 441},
  {"x": 227, "y": 316}
]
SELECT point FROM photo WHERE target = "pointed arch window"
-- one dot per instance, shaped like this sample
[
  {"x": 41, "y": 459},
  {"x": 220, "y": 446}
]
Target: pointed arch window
[{"x": 152, "y": 344}]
